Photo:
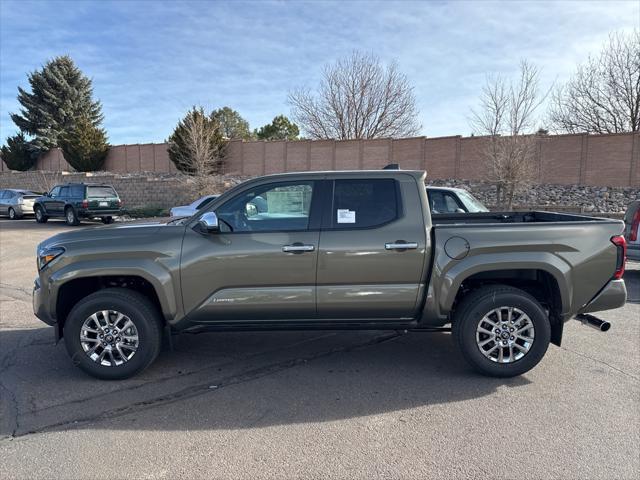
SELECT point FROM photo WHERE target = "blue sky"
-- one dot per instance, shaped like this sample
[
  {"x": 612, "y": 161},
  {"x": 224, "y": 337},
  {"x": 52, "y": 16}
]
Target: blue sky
[{"x": 151, "y": 60}]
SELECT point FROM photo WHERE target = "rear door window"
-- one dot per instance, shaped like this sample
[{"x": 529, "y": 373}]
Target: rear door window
[
  {"x": 76, "y": 191},
  {"x": 364, "y": 203},
  {"x": 100, "y": 192}
]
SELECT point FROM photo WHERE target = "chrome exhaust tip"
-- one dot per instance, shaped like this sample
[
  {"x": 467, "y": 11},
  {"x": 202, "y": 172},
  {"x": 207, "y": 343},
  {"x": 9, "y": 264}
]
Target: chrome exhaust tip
[{"x": 594, "y": 322}]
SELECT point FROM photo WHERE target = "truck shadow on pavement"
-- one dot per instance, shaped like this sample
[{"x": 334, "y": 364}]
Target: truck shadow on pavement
[
  {"x": 237, "y": 381},
  {"x": 632, "y": 280}
]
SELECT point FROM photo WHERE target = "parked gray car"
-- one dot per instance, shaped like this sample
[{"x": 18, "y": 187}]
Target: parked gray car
[
  {"x": 453, "y": 200},
  {"x": 330, "y": 250},
  {"x": 193, "y": 207},
  {"x": 16, "y": 203},
  {"x": 632, "y": 223}
]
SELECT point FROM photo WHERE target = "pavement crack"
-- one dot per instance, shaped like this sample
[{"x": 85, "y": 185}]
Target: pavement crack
[
  {"x": 208, "y": 387},
  {"x": 139, "y": 386},
  {"x": 13, "y": 401},
  {"x": 16, "y": 288},
  {"x": 637, "y": 379}
]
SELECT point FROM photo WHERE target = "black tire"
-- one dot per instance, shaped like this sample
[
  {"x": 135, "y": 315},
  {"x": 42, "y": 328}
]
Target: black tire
[
  {"x": 107, "y": 220},
  {"x": 40, "y": 215},
  {"x": 12, "y": 214},
  {"x": 141, "y": 312},
  {"x": 71, "y": 217},
  {"x": 479, "y": 303}
]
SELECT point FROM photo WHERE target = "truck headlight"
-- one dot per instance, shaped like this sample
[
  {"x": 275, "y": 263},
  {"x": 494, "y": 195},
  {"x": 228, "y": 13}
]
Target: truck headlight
[{"x": 47, "y": 255}]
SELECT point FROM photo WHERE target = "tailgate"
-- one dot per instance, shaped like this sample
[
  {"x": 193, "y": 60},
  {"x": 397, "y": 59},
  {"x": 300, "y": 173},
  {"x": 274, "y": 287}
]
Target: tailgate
[{"x": 102, "y": 198}]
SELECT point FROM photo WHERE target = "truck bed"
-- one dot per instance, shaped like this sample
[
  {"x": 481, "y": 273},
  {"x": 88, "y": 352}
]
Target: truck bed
[{"x": 512, "y": 217}]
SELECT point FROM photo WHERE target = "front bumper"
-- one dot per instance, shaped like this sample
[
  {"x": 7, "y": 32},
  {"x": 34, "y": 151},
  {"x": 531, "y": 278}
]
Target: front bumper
[
  {"x": 40, "y": 302},
  {"x": 613, "y": 295}
]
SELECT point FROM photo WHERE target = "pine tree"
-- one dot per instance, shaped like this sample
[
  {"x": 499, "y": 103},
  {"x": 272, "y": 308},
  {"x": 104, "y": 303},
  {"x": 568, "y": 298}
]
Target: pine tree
[
  {"x": 232, "y": 124},
  {"x": 84, "y": 146},
  {"x": 60, "y": 93},
  {"x": 17, "y": 154},
  {"x": 281, "y": 128}
]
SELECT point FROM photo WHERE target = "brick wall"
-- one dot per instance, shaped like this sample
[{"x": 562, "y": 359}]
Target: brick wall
[{"x": 597, "y": 160}]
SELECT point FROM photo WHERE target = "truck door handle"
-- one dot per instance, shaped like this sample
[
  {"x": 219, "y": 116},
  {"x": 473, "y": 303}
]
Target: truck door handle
[
  {"x": 298, "y": 248},
  {"x": 400, "y": 245}
]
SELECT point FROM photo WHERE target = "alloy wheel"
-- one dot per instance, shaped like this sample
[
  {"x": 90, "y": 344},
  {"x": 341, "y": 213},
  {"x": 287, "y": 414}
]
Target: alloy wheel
[
  {"x": 505, "y": 334},
  {"x": 109, "y": 338}
]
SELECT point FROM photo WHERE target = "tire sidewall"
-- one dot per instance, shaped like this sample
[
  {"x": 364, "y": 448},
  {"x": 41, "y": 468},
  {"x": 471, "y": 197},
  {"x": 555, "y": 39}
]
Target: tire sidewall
[
  {"x": 12, "y": 214},
  {"x": 466, "y": 333},
  {"x": 40, "y": 216},
  {"x": 74, "y": 222},
  {"x": 148, "y": 335}
]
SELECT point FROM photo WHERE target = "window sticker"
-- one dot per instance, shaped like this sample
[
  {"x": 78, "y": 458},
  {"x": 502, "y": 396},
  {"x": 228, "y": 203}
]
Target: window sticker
[{"x": 346, "y": 216}]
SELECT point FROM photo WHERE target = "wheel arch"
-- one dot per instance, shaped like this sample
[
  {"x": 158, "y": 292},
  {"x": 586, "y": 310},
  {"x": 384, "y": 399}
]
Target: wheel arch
[
  {"x": 71, "y": 287},
  {"x": 546, "y": 284}
]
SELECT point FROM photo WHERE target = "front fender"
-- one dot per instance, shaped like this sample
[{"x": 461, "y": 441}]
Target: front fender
[{"x": 151, "y": 271}]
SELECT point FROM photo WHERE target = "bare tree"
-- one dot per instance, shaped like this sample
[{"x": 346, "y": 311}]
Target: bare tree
[
  {"x": 604, "y": 94},
  {"x": 197, "y": 148},
  {"x": 507, "y": 116},
  {"x": 43, "y": 181},
  {"x": 357, "y": 98}
]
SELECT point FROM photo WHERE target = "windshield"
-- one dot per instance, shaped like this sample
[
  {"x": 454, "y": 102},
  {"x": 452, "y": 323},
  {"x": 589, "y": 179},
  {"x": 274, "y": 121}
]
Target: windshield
[{"x": 472, "y": 203}]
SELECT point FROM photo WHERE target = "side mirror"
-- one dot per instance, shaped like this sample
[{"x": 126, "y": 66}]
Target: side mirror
[
  {"x": 460, "y": 210},
  {"x": 209, "y": 222}
]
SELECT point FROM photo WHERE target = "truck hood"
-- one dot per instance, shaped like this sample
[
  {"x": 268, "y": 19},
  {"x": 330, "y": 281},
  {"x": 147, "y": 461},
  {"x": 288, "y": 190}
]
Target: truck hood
[{"x": 112, "y": 233}]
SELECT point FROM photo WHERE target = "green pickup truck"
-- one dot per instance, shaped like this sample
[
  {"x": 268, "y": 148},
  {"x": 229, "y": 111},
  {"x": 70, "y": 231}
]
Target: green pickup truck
[{"x": 330, "y": 250}]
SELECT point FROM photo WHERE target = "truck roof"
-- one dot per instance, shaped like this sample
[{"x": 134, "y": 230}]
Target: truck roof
[{"x": 319, "y": 173}]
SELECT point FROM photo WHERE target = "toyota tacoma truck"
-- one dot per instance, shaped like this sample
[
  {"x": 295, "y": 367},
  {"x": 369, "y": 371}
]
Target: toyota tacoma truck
[{"x": 330, "y": 250}]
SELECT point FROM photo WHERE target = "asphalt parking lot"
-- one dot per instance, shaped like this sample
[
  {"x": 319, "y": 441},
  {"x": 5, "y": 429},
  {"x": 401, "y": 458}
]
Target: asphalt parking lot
[{"x": 319, "y": 404}]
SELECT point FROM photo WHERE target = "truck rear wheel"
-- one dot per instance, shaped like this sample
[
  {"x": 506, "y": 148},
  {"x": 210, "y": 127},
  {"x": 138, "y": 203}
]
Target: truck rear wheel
[
  {"x": 113, "y": 333},
  {"x": 71, "y": 217},
  {"x": 40, "y": 215},
  {"x": 502, "y": 331}
]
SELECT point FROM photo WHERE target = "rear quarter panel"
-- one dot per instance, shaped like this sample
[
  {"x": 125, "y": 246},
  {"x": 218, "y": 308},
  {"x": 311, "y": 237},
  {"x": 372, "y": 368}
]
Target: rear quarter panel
[{"x": 579, "y": 255}]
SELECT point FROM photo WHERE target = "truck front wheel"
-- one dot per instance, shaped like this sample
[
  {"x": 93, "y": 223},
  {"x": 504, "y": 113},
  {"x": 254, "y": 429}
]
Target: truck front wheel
[
  {"x": 502, "y": 331},
  {"x": 113, "y": 333}
]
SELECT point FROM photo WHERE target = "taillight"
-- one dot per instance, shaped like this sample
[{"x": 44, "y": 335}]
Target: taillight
[
  {"x": 633, "y": 236},
  {"x": 85, "y": 203},
  {"x": 621, "y": 243},
  {"x": 119, "y": 203}
]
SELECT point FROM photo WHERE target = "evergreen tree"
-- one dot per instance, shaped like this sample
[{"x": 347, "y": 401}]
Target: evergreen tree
[
  {"x": 17, "y": 154},
  {"x": 281, "y": 128},
  {"x": 85, "y": 145},
  {"x": 232, "y": 124},
  {"x": 60, "y": 93}
]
